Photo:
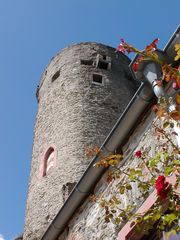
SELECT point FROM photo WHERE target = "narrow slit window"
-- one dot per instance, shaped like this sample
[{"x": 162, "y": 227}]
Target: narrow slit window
[
  {"x": 87, "y": 62},
  {"x": 97, "y": 79},
  {"x": 55, "y": 76}
]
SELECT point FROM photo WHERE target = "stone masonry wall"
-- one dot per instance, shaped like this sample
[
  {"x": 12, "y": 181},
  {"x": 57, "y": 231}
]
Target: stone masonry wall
[
  {"x": 73, "y": 112},
  {"x": 88, "y": 223}
]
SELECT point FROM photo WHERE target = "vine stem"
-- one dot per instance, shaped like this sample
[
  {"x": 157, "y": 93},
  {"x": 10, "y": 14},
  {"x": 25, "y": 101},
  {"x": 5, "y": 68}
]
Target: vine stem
[
  {"x": 148, "y": 167},
  {"x": 127, "y": 174},
  {"x": 143, "y": 53},
  {"x": 166, "y": 136}
]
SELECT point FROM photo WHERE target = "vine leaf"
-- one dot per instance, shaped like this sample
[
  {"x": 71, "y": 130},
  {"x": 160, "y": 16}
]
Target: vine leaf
[{"x": 177, "y": 49}]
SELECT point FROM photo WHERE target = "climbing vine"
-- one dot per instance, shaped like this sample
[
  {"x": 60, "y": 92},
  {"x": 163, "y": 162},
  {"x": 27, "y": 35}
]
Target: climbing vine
[{"x": 145, "y": 173}]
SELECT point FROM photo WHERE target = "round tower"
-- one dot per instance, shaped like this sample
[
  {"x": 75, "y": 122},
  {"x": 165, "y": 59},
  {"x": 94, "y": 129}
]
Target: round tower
[{"x": 83, "y": 91}]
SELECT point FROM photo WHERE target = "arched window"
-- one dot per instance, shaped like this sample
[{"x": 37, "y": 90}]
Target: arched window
[{"x": 48, "y": 161}]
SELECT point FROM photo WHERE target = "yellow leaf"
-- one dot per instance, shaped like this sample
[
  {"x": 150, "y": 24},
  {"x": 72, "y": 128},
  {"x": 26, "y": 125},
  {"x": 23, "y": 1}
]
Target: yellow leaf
[
  {"x": 177, "y": 58},
  {"x": 177, "y": 49},
  {"x": 161, "y": 112}
]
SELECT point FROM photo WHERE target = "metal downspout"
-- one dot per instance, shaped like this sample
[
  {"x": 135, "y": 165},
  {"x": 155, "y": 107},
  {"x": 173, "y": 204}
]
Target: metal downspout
[{"x": 115, "y": 139}]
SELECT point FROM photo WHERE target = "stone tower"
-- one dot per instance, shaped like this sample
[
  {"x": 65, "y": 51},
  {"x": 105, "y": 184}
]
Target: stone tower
[{"x": 82, "y": 92}]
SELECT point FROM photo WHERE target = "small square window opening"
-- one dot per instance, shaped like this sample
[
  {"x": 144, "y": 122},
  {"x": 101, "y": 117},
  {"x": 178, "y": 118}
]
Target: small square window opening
[
  {"x": 97, "y": 79},
  {"x": 87, "y": 62},
  {"x": 103, "y": 65}
]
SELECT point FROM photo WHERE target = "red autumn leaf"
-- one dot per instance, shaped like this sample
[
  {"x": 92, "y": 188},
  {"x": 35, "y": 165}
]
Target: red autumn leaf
[
  {"x": 153, "y": 45},
  {"x": 155, "y": 42}
]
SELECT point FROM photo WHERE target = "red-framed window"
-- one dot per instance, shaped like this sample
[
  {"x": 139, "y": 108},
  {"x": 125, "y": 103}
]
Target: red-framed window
[{"x": 48, "y": 161}]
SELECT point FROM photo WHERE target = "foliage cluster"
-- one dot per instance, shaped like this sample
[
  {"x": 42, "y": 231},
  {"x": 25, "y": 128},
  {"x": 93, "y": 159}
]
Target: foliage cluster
[{"x": 150, "y": 173}]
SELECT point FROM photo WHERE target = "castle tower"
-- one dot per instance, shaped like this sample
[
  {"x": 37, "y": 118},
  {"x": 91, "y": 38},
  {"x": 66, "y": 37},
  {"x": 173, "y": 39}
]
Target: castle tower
[{"x": 82, "y": 92}]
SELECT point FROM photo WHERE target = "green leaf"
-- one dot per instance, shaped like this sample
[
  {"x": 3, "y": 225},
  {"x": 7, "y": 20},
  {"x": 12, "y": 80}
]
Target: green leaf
[
  {"x": 113, "y": 211},
  {"x": 176, "y": 161},
  {"x": 132, "y": 171},
  {"x": 122, "y": 215},
  {"x": 116, "y": 201},
  {"x": 128, "y": 186},
  {"x": 156, "y": 57},
  {"x": 143, "y": 186},
  {"x": 121, "y": 189},
  {"x": 139, "y": 173},
  {"x": 154, "y": 161},
  {"x": 171, "y": 125},
  {"x": 169, "y": 218},
  {"x": 166, "y": 155},
  {"x": 146, "y": 217},
  {"x": 117, "y": 220},
  {"x": 161, "y": 227},
  {"x": 165, "y": 124},
  {"x": 139, "y": 219},
  {"x": 156, "y": 216},
  {"x": 168, "y": 170}
]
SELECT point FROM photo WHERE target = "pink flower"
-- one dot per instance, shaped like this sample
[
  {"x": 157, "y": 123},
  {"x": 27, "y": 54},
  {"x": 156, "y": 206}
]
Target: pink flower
[
  {"x": 174, "y": 85},
  {"x": 122, "y": 40},
  {"x": 121, "y": 49},
  {"x": 138, "y": 154}
]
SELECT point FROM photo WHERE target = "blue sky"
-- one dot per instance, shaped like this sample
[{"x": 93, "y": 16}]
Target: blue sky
[{"x": 31, "y": 32}]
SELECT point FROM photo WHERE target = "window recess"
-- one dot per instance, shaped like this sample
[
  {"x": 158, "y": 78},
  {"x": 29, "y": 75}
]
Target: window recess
[
  {"x": 103, "y": 62},
  {"x": 97, "y": 79},
  {"x": 87, "y": 62}
]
